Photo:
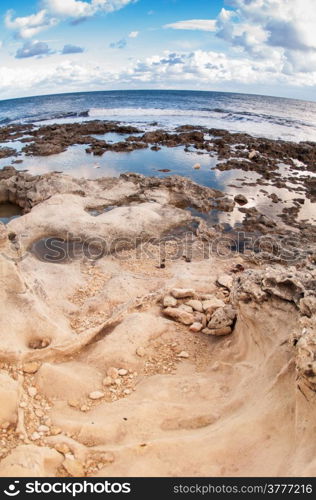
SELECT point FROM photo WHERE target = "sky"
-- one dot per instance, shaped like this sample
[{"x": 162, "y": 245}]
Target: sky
[{"x": 250, "y": 46}]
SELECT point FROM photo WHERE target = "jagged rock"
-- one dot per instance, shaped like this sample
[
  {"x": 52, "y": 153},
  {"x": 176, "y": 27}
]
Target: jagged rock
[
  {"x": 196, "y": 305},
  {"x": 222, "y": 317},
  {"x": 225, "y": 280}
]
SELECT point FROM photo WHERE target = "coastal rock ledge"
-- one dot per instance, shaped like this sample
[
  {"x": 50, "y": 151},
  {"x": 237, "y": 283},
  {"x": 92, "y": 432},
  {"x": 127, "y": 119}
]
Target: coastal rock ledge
[{"x": 126, "y": 349}]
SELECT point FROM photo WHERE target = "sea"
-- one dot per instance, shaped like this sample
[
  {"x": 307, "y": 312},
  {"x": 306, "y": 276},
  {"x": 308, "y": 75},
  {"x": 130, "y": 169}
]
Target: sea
[
  {"x": 271, "y": 117},
  {"x": 260, "y": 116}
]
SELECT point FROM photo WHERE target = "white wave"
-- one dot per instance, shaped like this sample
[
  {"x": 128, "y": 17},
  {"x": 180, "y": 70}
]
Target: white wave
[{"x": 146, "y": 112}]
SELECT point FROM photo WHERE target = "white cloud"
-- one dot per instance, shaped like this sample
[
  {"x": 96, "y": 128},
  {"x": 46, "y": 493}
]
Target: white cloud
[
  {"x": 56, "y": 10},
  {"x": 133, "y": 34},
  {"x": 194, "y": 24},
  {"x": 29, "y": 26}
]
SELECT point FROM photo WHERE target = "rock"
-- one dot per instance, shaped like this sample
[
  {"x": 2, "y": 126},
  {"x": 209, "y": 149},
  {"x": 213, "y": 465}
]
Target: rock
[
  {"x": 169, "y": 301},
  {"x": 209, "y": 306},
  {"x": 253, "y": 154},
  {"x": 73, "y": 467},
  {"x": 179, "y": 315},
  {"x": 35, "y": 436},
  {"x": 32, "y": 391},
  {"x": 184, "y": 307},
  {"x": 8, "y": 399},
  {"x": 307, "y": 305},
  {"x": 182, "y": 293},
  {"x": 217, "y": 331},
  {"x": 96, "y": 395},
  {"x": 112, "y": 372},
  {"x": 183, "y": 354},
  {"x": 31, "y": 461},
  {"x": 31, "y": 367},
  {"x": 222, "y": 317},
  {"x": 140, "y": 351},
  {"x": 196, "y": 327},
  {"x": 62, "y": 448},
  {"x": 107, "y": 381},
  {"x": 197, "y": 166},
  {"x": 226, "y": 281},
  {"x": 241, "y": 199},
  {"x": 122, "y": 372},
  {"x": 196, "y": 305}
]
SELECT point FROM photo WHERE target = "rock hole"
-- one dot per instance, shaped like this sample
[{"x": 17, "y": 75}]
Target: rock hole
[{"x": 39, "y": 343}]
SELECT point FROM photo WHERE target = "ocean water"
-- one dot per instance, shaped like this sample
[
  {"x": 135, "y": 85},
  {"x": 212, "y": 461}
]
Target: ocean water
[{"x": 271, "y": 117}]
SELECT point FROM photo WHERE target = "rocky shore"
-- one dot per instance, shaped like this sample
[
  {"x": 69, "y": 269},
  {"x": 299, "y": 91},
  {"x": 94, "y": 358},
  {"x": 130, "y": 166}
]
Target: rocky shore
[{"x": 175, "y": 348}]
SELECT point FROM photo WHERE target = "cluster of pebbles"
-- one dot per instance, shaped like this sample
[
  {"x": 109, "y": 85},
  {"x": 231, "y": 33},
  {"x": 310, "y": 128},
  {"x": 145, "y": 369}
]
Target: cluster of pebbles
[{"x": 201, "y": 312}]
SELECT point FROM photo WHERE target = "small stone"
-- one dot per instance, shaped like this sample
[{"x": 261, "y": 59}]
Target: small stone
[
  {"x": 253, "y": 154},
  {"x": 55, "y": 431},
  {"x": 23, "y": 404},
  {"x": 140, "y": 351},
  {"x": 169, "y": 301},
  {"x": 222, "y": 317},
  {"x": 96, "y": 395},
  {"x": 118, "y": 381},
  {"x": 112, "y": 372},
  {"x": 73, "y": 403},
  {"x": 177, "y": 314},
  {"x": 62, "y": 448},
  {"x": 31, "y": 367},
  {"x": 122, "y": 372},
  {"x": 217, "y": 331},
  {"x": 32, "y": 391},
  {"x": 196, "y": 305},
  {"x": 84, "y": 408},
  {"x": 39, "y": 413},
  {"x": 196, "y": 327},
  {"x": 197, "y": 166},
  {"x": 35, "y": 436},
  {"x": 184, "y": 307},
  {"x": 127, "y": 391},
  {"x": 182, "y": 293},
  {"x": 225, "y": 280},
  {"x": 43, "y": 428},
  {"x": 73, "y": 467},
  {"x": 183, "y": 354},
  {"x": 107, "y": 381},
  {"x": 209, "y": 306}
]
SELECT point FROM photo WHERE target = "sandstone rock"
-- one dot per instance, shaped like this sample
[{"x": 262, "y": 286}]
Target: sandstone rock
[
  {"x": 179, "y": 315},
  {"x": 209, "y": 306},
  {"x": 226, "y": 281},
  {"x": 196, "y": 327},
  {"x": 8, "y": 399},
  {"x": 182, "y": 293},
  {"x": 196, "y": 305},
  {"x": 141, "y": 352},
  {"x": 96, "y": 395},
  {"x": 73, "y": 467},
  {"x": 169, "y": 301},
  {"x": 218, "y": 331},
  {"x": 222, "y": 317},
  {"x": 122, "y": 372},
  {"x": 184, "y": 307},
  {"x": 112, "y": 372},
  {"x": 31, "y": 461},
  {"x": 183, "y": 354},
  {"x": 31, "y": 367}
]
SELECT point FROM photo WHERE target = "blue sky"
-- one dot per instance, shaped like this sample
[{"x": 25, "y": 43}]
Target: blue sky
[{"x": 257, "y": 46}]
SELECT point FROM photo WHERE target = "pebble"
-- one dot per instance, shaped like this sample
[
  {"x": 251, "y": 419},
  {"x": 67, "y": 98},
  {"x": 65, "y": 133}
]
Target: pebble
[
  {"x": 122, "y": 372},
  {"x": 96, "y": 395},
  {"x": 55, "y": 431},
  {"x": 180, "y": 315},
  {"x": 32, "y": 391},
  {"x": 127, "y": 391},
  {"x": 218, "y": 331},
  {"x": 39, "y": 413},
  {"x": 140, "y": 351},
  {"x": 183, "y": 354},
  {"x": 43, "y": 428},
  {"x": 182, "y": 293},
  {"x": 73, "y": 403},
  {"x": 107, "y": 381},
  {"x": 112, "y": 372},
  {"x": 169, "y": 301},
  {"x": 31, "y": 367},
  {"x": 35, "y": 436},
  {"x": 196, "y": 327},
  {"x": 197, "y": 166},
  {"x": 23, "y": 404}
]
